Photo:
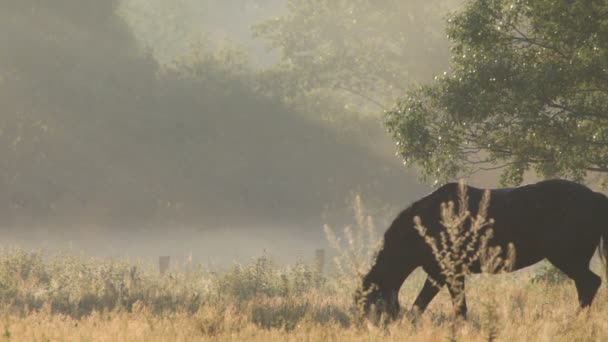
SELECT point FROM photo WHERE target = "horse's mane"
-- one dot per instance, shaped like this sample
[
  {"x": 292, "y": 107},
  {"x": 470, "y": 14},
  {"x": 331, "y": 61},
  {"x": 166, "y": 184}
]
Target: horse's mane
[
  {"x": 401, "y": 220},
  {"x": 399, "y": 223}
]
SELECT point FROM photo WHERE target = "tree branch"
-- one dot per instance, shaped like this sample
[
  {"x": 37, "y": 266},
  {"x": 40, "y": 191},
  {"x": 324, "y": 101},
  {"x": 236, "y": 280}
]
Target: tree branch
[{"x": 363, "y": 96}]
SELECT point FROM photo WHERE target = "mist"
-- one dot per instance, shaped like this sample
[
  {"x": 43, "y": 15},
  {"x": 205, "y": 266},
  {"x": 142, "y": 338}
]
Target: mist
[{"x": 142, "y": 128}]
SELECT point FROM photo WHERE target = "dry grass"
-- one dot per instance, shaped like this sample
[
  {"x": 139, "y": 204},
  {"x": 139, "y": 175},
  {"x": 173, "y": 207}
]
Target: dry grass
[
  {"x": 69, "y": 298},
  {"x": 523, "y": 313},
  {"x": 464, "y": 239}
]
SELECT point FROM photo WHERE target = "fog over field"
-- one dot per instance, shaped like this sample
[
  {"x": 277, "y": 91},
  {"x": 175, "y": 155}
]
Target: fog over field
[
  {"x": 227, "y": 170},
  {"x": 144, "y": 128}
]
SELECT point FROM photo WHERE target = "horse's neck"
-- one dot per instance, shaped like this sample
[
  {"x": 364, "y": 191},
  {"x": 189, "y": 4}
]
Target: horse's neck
[{"x": 389, "y": 274}]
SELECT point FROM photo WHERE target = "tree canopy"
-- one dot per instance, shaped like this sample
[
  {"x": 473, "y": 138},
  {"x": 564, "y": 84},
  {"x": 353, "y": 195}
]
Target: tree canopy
[
  {"x": 527, "y": 91},
  {"x": 364, "y": 52},
  {"x": 94, "y": 130}
]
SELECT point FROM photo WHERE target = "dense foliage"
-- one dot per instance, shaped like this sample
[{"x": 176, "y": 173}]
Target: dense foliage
[
  {"x": 94, "y": 129},
  {"x": 526, "y": 90},
  {"x": 365, "y": 52}
]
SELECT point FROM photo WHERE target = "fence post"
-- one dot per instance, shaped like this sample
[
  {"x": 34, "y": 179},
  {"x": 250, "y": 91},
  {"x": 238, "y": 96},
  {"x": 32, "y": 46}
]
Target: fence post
[
  {"x": 189, "y": 267},
  {"x": 163, "y": 264},
  {"x": 319, "y": 263}
]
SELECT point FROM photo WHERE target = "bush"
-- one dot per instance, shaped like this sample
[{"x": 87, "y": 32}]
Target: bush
[{"x": 549, "y": 274}]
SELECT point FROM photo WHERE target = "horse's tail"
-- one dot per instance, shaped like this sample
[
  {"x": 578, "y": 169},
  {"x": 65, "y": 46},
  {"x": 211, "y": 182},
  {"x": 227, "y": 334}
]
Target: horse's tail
[{"x": 602, "y": 249}]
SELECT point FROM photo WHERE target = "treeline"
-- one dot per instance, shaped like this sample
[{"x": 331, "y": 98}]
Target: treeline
[{"x": 93, "y": 129}]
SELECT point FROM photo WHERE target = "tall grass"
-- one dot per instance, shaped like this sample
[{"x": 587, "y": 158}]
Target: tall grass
[
  {"x": 464, "y": 242},
  {"x": 66, "y": 297},
  {"x": 355, "y": 248}
]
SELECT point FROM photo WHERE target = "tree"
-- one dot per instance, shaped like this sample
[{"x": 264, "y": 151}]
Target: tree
[
  {"x": 527, "y": 90},
  {"x": 171, "y": 29},
  {"x": 94, "y": 130},
  {"x": 364, "y": 52}
]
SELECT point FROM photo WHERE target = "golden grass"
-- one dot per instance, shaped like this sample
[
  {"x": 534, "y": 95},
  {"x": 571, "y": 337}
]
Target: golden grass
[
  {"x": 523, "y": 312},
  {"x": 67, "y": 298},
  {"x": 262, "y": 302}
]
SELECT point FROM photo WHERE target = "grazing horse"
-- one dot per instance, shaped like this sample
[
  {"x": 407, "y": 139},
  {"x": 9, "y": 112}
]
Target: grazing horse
[{"x": 559, "y": 220}]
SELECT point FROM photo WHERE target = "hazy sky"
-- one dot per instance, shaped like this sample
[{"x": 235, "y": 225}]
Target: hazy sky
[{"x": 173, "y": 29}]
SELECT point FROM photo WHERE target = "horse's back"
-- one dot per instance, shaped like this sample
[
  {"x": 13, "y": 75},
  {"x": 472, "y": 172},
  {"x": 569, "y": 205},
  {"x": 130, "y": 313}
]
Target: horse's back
[
  {"x": 546, "y": 218},
  {"x": 552, "y": 216}
]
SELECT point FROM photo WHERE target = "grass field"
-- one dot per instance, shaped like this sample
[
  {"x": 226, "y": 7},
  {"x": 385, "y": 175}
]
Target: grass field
[
  {"x": 74, "y": 298},
  {"x": 64, "y": 298}
]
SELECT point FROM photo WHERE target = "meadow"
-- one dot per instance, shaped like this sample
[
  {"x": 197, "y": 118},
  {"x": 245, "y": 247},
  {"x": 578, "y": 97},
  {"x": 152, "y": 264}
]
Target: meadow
[{"x": 66, "y": 297}]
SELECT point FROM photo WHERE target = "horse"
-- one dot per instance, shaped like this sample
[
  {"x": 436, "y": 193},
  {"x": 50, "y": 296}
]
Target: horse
[{"x": 558, "y": 220}]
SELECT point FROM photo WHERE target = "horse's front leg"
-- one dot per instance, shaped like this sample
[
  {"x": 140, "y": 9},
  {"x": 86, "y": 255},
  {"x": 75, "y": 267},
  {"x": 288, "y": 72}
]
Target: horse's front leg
[
  {"x": 458, "y": 298},
  {"x": 426, "y": 295}
]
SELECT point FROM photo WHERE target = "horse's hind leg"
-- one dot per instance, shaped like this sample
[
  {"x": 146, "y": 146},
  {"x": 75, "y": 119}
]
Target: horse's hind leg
[{"x": 587, "y": 282}]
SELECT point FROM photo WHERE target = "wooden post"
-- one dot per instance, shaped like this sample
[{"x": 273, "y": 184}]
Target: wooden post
[
  {"x": 189, "y": 267},
  {"x": 319, "y": 263},
  {"x": 163, "y": 264}
]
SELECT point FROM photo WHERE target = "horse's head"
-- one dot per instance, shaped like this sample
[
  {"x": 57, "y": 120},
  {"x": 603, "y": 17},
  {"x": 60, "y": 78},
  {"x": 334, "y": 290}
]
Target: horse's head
[
  {"x": 376, "y": 300},
  {"x": 399, "y": 256}
]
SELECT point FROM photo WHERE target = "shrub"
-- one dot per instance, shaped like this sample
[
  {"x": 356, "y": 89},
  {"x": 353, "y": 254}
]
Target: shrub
[{"x": 549, "y": 274}]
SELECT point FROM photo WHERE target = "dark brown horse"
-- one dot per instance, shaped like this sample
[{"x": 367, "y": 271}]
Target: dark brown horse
[{"x": 559, "y": 220}]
